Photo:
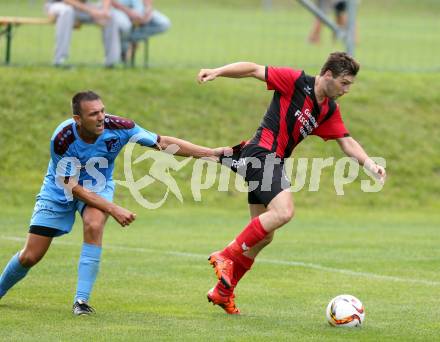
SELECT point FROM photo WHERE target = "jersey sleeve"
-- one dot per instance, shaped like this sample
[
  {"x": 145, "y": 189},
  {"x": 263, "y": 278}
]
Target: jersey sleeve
[
  {"x": 281, "y": 79},
  {"x": 142, "y": 136},
  {"x": 64, "y": 164},
  {"x": 332, "y": 128}
]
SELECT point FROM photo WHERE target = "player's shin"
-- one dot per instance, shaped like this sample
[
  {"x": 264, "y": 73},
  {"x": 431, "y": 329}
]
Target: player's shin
[
  {"x": 12, "y": 274},
  {"x": 240, "y": 269},
  {"x": 251, "y": 235},
  {"x": 87, "y": 270},
  {"x": 242, "y": 264},
  {"x": 225, "y": 261}
]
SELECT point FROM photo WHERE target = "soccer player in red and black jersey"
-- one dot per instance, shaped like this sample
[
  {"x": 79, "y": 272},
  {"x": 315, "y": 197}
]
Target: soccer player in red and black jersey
[{"x": 302, "y": 105}]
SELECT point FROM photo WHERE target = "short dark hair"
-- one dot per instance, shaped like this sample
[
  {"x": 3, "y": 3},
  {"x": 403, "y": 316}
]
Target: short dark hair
[
  {"x": 340, "y": 63},
  {"x": 80, "y": 97}
]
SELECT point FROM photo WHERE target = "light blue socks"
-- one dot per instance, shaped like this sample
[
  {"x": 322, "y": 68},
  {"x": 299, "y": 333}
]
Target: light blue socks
[
  {"x": 12, "y": 274},
  {"x": 87, "y": 270}
]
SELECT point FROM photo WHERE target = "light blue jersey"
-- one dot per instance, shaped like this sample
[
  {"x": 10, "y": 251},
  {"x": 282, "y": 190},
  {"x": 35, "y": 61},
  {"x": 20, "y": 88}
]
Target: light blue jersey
[{"x": 91, "y": 164}]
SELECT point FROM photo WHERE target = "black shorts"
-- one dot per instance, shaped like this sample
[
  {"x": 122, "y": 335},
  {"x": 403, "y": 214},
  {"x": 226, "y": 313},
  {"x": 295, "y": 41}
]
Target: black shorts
[
  {"x": 261, "y": 169},
  {"x": 340, "y": 7},
  {"x": 45, "y": 231}
]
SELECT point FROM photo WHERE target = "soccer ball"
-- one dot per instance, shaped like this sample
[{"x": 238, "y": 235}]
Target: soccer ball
[{"x": 345, "y": 311}]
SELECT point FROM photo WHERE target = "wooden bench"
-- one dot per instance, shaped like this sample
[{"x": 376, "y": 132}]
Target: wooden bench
[{"x": 10, "y": 22}]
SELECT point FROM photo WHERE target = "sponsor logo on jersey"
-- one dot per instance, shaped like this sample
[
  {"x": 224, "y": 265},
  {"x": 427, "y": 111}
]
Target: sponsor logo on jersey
[
  {"x": 308, "y": 89},
  {"x": 113, "y": 145}
]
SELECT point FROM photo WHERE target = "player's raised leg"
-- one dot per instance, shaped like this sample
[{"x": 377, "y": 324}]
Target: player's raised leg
[
  {"x": 256, "y": 234},
  {"x": 220, "y": 294},
  {"x": 35, "y": 248},
  {"x": 257, "y": 210},
  {"x": 237, "y": 258},
  {"x": 93, "y": 222}
]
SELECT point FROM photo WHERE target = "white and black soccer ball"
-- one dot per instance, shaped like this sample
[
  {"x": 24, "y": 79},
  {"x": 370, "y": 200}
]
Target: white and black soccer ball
[{"x": 345, "y": 311}]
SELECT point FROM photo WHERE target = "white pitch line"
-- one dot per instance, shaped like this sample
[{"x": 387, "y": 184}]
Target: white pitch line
[
  {"x": 351, "y": 273},
  {"x": 262, "y": 260}
]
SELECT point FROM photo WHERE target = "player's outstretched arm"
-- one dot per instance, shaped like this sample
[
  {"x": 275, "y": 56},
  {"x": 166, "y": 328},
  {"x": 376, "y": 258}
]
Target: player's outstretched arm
[
  {"x": 234, "y": 70},
  {"x": 188, "y": 149},
  {"x": 123, "y": 216},
  {"x": 354, "y": 150}
]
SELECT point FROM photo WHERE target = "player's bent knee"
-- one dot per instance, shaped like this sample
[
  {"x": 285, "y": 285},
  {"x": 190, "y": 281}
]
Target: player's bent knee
[
  {"x": 93, "y": 229},
  {"x": 285, "y": 215},
  {"x": 29, "y": 258}
]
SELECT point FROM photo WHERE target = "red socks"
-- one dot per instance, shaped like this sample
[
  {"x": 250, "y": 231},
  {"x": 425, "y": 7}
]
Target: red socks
[
  {"x": 240, "y": 269},
  {"x": 249, "y": 237},
  {"x": 242, "y": 264}
]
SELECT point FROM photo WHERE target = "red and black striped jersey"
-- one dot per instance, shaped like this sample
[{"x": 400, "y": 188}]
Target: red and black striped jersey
[{"x": 294, "y": 113}]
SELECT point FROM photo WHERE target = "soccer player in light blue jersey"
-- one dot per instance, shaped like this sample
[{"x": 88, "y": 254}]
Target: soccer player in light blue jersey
[{"x": 79, "y": 178}]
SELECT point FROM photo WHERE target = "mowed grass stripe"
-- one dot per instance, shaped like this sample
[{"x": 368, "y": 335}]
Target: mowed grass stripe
[{"x": 260, "y": 260}]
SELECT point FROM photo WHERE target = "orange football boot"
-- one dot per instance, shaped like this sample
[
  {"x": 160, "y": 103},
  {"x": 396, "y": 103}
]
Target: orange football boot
[
  {"x": 225, "y": 302},
  {"x": 224, "y": 268}
]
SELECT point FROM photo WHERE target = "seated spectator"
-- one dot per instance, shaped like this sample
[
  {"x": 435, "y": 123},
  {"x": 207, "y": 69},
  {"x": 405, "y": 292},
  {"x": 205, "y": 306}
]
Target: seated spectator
[
  {"x": 138, "y": 21},
  {"x": 68, "y": 12}
]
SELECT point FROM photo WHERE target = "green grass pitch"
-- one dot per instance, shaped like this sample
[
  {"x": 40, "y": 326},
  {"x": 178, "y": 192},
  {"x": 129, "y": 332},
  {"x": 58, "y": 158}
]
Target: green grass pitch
[
  {"x": 155, "y": 275},
  {"x": 381, "y": 247}
]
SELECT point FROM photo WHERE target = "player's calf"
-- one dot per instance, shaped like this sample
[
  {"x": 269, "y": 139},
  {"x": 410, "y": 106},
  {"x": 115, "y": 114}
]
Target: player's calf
[{"x": 12, "y": 274}]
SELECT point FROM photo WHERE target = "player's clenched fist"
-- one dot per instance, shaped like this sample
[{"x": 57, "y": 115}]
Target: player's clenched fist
[
  {"x": 123, "y": 216},
  {"x": 377, "y": 170},
  {"x": 380, "y": 173},
  {"x": 206, "y": 75}
]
